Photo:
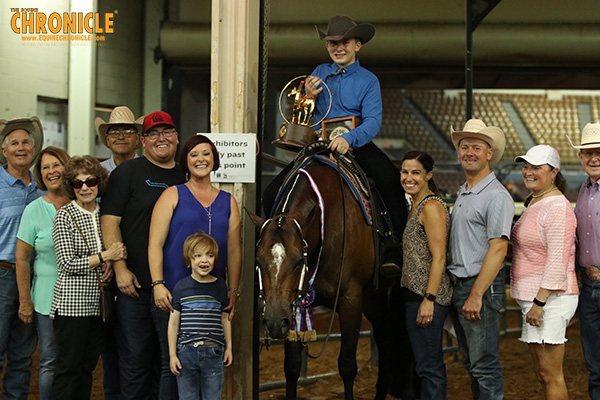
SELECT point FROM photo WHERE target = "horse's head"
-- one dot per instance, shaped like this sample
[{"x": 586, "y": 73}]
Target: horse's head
[{"x": 281, "y": 262}]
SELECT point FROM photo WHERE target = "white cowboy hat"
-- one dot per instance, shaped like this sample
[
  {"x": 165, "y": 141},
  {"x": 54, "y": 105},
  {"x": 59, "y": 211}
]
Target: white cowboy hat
[
  {"x": 32, "y": 125},
  {"x": 590, "y": 137},
  {"x": 120, "y": 115},
  {"x": 492, "y": 135}
]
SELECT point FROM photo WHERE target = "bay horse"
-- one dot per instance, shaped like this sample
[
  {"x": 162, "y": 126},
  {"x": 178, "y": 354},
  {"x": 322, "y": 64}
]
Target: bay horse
[{"x": 293, "y": 242}]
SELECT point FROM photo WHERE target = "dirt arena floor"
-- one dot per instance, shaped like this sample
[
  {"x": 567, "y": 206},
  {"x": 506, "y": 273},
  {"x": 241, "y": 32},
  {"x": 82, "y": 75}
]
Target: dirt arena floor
[{"x": 519, "y": 379}]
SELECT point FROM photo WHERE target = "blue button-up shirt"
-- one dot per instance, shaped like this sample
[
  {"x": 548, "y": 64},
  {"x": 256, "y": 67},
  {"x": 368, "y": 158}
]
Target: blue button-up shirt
[
  {"x": 587, "y": 211},
  {"x": 480, "y": 214},
  {"x": 354, "y": 93},
  {"x": 14, "y": 196}
]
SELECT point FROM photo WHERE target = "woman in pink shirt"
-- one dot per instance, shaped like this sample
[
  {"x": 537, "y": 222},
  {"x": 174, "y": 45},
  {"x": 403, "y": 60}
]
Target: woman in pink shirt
[{"x": 543, "y": 279}]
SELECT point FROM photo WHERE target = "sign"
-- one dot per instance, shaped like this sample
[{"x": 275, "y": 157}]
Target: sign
[{"x": 237, "y": 155}]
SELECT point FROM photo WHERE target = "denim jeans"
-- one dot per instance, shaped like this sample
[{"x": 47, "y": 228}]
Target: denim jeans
[
  {"x": 478, "y": 341},
  {"x": 589, "y": 324},
  {"x": 168, "y": 381},
  {"x": 17, "y": 340},
  {"x": 201, "y": 372},
  {"x": 139, "y": 354},
  {"x": 110, "y": 364},
  {"x": 427, "y": 345},
  {"x": 45, "y": 331}
]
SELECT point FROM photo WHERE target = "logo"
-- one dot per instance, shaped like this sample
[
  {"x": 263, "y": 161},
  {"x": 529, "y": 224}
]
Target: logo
[
  {"x": 35, "y": 26},
  {"x": 157, "y": 118}
]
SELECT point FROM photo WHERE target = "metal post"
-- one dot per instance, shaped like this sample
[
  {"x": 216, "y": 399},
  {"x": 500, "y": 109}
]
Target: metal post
[{"x": 469, "y": 63}]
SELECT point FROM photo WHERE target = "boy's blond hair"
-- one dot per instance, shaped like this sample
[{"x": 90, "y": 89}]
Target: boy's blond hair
[{"x": 205, "y": 242}]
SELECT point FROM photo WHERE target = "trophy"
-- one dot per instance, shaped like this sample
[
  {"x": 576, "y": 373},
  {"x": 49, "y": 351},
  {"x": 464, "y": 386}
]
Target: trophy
[{"x": 297, "y": 133}]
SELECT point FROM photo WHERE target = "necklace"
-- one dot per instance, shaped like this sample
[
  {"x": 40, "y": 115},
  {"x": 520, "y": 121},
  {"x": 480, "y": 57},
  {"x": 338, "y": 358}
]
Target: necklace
[
  {"x": 536, "y": 196},
  {"x": 208, "y": 210}
]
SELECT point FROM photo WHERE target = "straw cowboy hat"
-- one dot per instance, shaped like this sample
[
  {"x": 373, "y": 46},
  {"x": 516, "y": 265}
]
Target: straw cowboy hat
[
  {"x": 343, "y": 27},
  {"x": 32, "y": 125},
  {"x": 590, "y": 137},
  {"x": 492, "y": 135},
  {"x": 120, "y": 115}
]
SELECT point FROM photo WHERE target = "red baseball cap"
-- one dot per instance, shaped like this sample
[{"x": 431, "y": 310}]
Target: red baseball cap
[{"x": 157, "y": 118}]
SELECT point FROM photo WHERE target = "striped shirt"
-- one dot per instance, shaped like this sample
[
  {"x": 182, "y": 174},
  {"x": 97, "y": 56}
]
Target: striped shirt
[
  {"x": 587, "y": 212},
  {"x": 76, "y": 291},
  {"x": 544, "y": 249},
  {"x": 480, "y": 214},
  {"x": 14, "y": 196},
  {"x": 201, "y": 307}
]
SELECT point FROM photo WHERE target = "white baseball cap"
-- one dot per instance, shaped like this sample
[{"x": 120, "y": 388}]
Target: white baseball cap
[{"x": 540, "y": 155}]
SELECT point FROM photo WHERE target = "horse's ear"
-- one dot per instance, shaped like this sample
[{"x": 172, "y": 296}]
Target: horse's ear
[{"x": 256, "y": 220}]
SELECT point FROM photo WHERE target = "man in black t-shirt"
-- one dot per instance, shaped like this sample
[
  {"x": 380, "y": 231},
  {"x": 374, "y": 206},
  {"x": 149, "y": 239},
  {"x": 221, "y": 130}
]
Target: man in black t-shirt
[{"x": 126, "y": 212}]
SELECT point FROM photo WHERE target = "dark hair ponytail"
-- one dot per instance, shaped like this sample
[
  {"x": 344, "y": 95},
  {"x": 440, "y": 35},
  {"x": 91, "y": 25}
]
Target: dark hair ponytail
[{"x": 427, "y": 161}]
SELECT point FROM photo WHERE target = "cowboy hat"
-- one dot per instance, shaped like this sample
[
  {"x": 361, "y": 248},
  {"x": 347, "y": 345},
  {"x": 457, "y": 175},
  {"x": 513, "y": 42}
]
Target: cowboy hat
[
  {"x": 120, "y": 115},
  {"x": 492, "y": 135},
  {"x": 342, "y": 27},
  {"x": 590, "y": 137},
  {"x": 31, "y": 125}
]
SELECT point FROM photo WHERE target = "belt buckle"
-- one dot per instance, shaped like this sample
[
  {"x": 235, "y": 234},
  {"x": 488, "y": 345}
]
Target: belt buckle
[{"x": 198, "y": 343}]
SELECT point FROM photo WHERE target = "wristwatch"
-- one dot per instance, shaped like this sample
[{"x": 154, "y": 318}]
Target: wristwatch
[
  {"x": 237, "y": 292},
  {"x": 430, "y": 296}
]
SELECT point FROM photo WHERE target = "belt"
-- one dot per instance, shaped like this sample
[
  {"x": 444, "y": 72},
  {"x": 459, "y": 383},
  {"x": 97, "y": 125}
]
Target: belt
[
  {"x": 455, "y": 279},
  {"x": 204, "y": 343},
  {"x": 5, "y": 265},
  {"x": 593, "y": 273}
]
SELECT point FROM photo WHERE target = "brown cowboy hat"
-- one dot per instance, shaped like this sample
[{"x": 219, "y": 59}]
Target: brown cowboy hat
[
  {"x": 31, "y": 125},
  {"x": 492, "y": 135},
  {"x": 120, "y": 115},
  {"x": 343, "y": 27}
]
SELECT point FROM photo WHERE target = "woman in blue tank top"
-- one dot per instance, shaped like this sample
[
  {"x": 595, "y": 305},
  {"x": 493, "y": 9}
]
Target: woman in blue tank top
[{"x": 179, "y": 212}]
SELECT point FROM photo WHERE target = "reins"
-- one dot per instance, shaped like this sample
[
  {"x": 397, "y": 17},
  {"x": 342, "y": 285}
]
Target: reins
[{"x": 339, "y": 286}]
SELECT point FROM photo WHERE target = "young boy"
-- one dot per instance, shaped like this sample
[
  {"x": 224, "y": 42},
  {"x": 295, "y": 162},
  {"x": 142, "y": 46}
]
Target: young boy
[{"x": 199, "y": 330}]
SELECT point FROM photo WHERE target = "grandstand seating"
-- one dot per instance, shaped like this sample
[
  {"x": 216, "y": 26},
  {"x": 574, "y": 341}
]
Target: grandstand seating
[{"x": 547, "y": 118}]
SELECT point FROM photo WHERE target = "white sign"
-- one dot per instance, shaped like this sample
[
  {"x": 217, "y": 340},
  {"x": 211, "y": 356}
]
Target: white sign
[{"x": 237, "y": 155}]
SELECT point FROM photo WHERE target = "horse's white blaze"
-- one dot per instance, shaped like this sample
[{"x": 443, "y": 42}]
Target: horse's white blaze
[{"x": 278, "y": 253}]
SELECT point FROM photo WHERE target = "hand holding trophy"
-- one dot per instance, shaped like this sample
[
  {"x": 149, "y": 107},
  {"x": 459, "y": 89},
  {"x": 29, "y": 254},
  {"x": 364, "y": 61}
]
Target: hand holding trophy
[{"x": 298, "y": 133}]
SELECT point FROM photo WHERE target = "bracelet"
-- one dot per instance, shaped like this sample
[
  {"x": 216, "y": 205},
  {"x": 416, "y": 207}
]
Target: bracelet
[
  {"x": 158, "y": 282},
  {"x": 237, "y": 292},
  {"x": 538, "y": 302},
  {"x": 100, "y": 257}
]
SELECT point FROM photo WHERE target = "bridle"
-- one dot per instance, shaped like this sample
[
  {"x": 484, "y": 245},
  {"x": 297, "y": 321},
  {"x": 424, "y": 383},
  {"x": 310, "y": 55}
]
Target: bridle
[{"x": 299, "y": 291}]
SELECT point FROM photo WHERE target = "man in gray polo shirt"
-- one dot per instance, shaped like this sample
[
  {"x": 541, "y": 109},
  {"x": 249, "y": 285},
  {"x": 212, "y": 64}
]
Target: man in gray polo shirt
[{"x": 480, "y": 228}]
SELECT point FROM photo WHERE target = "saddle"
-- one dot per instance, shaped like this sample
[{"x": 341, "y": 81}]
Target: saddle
[{"x": 362, "y": 187}]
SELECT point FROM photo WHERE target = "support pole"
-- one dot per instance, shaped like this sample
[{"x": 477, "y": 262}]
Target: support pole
[{"x": 469, "y": 62}]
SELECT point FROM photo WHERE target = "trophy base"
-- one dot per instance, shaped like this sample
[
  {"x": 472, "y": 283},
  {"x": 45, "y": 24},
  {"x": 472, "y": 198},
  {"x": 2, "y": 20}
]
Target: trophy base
[{"x": 294, "y": 137}]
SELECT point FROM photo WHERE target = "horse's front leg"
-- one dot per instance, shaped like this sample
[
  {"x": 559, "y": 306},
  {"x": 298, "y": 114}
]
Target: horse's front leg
[
  {"x": 350, "y": 313},
  {"x": 291, "y": 367}
]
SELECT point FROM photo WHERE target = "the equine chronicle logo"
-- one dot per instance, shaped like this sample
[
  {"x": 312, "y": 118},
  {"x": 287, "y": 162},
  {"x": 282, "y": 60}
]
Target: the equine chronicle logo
[{"x": 36, "y": 27}]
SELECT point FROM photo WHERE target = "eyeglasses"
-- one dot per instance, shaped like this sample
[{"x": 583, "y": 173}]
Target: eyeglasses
[
  {"x": 90, "y": 182},
  {"x": 590, "y": 153},
  {"x": 115, "y": 132},
  {"x": 155, "y": 134}
]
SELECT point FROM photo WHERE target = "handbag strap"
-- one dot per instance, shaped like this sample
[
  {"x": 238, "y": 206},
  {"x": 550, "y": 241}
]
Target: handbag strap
[{"x": 87, "y": 245}]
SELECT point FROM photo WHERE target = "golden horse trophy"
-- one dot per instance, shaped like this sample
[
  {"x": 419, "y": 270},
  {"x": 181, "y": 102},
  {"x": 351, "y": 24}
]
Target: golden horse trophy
[{"x": 297, "y": 133}]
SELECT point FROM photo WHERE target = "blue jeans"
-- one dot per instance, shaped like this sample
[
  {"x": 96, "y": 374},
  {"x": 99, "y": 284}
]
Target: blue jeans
[
  {"x": 139, "y": 355},
  {"x": 589, "y": 324},
  {"x": 110, "y": 364},
  {"x": 17, "y": 340},
  {"x": 427, "y": 345},
  {"x": 45, "y": 331},
  {"x": 201, "y": 372},
  {"x": 168, "y": 381},
  {"x": 478, "y": 341}
]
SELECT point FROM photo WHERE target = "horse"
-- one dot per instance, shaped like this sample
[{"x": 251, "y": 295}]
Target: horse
[{"x": 293, "y": 242}]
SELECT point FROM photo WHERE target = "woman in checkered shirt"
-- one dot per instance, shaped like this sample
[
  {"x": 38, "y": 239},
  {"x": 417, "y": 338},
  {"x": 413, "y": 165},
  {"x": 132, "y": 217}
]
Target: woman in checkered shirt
[{"x": 78, "y": 328}]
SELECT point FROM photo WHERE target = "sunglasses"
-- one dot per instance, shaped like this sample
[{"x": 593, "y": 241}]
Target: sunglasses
[{"x": 90, "y": 182}]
